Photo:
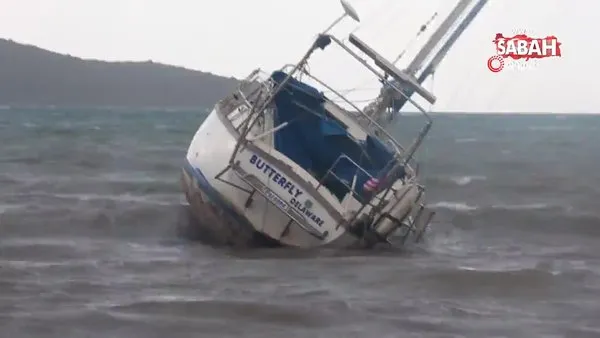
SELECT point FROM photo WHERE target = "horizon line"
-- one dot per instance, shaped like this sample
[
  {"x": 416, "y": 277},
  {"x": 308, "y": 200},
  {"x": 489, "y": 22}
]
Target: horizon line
[{"x": 5, "y": 107}]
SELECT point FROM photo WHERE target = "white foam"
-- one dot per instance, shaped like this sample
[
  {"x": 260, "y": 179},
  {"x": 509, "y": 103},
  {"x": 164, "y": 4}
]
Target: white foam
[
  {"x": 531, "y": 206},
  {"x": 550, "y": 128},
  {"x": 6, "y": 207},
  {"x": 118, "y": 198},
  {"x": 464, "y": 180},
  {"x": 457, "y": 206},
  {"x": 465, "y": 140}
]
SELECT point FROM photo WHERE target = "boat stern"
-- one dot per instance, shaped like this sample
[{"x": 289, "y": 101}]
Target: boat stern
[{"x": 212, "y": 215}]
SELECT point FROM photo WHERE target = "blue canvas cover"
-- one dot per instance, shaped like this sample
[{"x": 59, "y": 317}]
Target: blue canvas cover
[{"x": 314, "y": 139}]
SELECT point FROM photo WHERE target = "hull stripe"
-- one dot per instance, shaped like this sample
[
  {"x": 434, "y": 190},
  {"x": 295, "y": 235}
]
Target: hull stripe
[{"x": 214, "y": 196}]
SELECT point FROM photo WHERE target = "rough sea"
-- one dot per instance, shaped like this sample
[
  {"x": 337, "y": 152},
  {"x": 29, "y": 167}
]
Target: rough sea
[{"x": 91, "y": 242}]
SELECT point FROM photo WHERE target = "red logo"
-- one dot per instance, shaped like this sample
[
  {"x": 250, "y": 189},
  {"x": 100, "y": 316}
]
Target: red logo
[{"x": 522, "y": 47}]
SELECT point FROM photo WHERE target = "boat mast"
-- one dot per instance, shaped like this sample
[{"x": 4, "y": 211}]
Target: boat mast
[
  {"x": 387, "y": 98},
  {"x": 441, "y": 53},
  {"x": 432, "y": 66},
  {"x": 437, "y": 36}
]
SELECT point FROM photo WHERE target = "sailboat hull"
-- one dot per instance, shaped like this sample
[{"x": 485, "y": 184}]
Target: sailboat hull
[
  {"x": 256, "y": 170},
  {"x": 213, "y": 214},
  {"x": 206, "y": 156},
  {"x": 226, "y": 206}
]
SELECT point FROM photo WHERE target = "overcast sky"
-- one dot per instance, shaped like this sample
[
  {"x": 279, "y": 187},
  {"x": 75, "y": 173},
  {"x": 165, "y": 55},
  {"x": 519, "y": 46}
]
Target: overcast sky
[{"x": 232, "y": 37}]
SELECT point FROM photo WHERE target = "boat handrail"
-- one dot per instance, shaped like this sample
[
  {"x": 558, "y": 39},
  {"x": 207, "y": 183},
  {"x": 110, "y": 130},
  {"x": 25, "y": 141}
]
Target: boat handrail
[
  {"x": 381, "y": 76},
  {"x": 407, "y": 155},
  {"x": 323, "y": 40},
  {"x": 372, "y": 122},
  {"x": 351, "y": 189},
  {"x": 397, "y": 146}
]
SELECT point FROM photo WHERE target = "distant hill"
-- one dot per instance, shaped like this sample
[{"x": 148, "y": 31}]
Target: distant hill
[{"x": 33, "y": 76}]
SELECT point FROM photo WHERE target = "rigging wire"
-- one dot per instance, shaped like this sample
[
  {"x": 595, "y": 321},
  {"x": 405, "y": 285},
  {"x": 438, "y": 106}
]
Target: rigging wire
[
  {"x": 463, "y": 91},
  {"x": 458, "y": 88},
  {"x": 448, "y": 33},
  {"x": 422, "y": 29},
  {"x": 354, "y": 100},
  {"x": 506, "y": 81},
  {"x": 431, "y": 90},
  {"x": 416, "y": 37},
  {"x": 388, "y": 8},
  {"x": 424, "y": 149}
]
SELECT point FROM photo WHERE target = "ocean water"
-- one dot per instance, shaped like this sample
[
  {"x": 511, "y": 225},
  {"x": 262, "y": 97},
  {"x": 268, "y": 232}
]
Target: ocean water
[{"x": 90, "y": 208}]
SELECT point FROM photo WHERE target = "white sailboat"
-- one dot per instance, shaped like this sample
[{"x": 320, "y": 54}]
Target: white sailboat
[{"x": 277, "y": 161}]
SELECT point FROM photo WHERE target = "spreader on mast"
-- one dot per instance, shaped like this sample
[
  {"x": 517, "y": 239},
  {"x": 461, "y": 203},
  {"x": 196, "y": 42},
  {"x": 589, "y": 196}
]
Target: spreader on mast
[{"x": 384, "y": 108}]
